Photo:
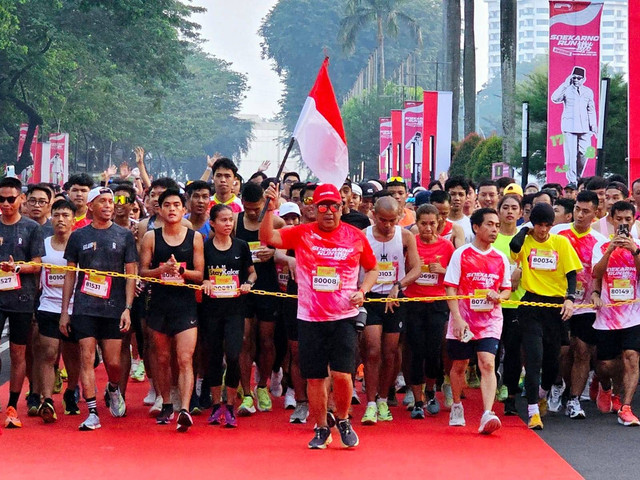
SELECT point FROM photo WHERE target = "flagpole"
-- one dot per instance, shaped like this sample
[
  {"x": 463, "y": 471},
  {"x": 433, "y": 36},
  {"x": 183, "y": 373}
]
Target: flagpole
[{"x": 284, "y": 160}]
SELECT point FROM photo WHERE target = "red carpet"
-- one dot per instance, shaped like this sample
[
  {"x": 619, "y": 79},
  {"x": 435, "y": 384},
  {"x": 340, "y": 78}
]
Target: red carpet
[{"x": 266, "y": 446}]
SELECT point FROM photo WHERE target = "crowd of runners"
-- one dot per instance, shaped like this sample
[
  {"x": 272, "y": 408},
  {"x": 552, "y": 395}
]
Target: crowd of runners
[{"x": 528, "y": 293}]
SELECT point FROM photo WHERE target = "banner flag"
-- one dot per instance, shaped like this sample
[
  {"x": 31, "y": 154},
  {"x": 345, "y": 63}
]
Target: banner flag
[
  {"x": 385, "y": 148},
  {"x": 412, "y": 120}
]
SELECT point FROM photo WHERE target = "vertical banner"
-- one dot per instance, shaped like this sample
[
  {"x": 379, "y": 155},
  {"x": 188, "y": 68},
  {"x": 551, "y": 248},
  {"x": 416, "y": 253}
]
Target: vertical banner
[
  {"x": 396, "y": 141},
  {"x": 633, "y": 85},
  {"x": 436, "y": 132},
  {"x": 56, "y": 168},
  {"x": 574, "y": 86},
  {"x": 23, "y": 135},
  {"x": 385, "y": 150},
  {"x": 443, "y": 138},
  {"x": 412, "y": 120}
]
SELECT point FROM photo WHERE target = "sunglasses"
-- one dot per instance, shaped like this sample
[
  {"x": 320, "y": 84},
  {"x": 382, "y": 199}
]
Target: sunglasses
[
  {"x": 334, "y": 207},
  {"x": 396, "y": 180},
  {"x": 307, "y": 200},
  {"x": 122, "y": 200},
  {"x": 10, "y": 200},
  {"x": 577, "y": 78}
]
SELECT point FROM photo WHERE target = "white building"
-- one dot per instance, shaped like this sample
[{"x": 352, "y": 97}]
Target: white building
[{"x": 533, "y": 33}]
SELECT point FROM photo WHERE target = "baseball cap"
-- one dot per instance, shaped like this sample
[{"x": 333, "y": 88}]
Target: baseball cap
[
  {"x": 367, "y": 190},
  {"x": 96, "y": 192},
  {"x": 326, "y": 192},
  {"x": 513, "y": 189},
  {"x": 289, "y": 207},
  {"x": 356, "y": 190},
  {"x": 571, "y": 186},
  {"x": 376, "y": 185},
  {"x": 422, "y": 197}
]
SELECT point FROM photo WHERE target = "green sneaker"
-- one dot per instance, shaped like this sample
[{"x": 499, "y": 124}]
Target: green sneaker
[
  {"x": 139, "y": 373},
  {"x": 247, "y": 407},
  {"x": 473, "y": 381},
  {"x": 264, "y": 399},
  {"x": 384, "y": 414},
  {"x": 57, "y": 386},
  {"x": 502, "y": 393},
  {"x": 370, "y": 416}
]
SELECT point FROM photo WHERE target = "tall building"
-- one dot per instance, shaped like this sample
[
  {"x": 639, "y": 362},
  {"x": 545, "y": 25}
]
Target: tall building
[{"x": 533, "y": 33}]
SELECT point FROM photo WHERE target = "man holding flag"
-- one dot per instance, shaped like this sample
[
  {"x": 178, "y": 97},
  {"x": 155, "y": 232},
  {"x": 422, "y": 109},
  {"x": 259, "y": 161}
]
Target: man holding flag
[{"x": 329, "y": 254}]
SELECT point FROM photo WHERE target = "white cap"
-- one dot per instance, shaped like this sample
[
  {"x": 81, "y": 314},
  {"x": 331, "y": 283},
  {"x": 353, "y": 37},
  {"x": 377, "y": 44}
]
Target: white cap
[
  {"x": 289, "y": 207},
  {"x": 355, "y": 189},
  {"x": 96, "y": 192}
]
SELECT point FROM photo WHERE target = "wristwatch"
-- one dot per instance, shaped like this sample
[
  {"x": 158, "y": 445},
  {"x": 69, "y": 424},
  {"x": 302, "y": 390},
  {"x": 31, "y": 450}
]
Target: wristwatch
[
  {"x": 570, "y": 297},
  {"x": 128, "y": 307},
  {"x": 181, "y": 270}
]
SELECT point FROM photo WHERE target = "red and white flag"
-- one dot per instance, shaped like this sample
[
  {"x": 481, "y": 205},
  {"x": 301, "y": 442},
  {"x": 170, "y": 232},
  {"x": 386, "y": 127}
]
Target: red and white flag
[{"x": 320, "y": 133}]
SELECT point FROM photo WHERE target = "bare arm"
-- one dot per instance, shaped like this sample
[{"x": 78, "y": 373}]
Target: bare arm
[
  {"x": 67, "y": 291},
  {"x": 459, "y": 325},
  {"x": 197, "y": 274},
  {"x": 268, "y": 234},
  {"x": 144, "y": 176}
]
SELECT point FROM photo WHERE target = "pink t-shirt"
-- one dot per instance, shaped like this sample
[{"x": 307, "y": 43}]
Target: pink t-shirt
[
  {"x": 583, "y": 245},
  {"x": 474, "y": 272},
  {"x": 327, "y": 267},
  {"x": 620, "y": 282}
]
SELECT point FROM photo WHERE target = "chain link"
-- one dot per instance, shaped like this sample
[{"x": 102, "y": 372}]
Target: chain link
[{"x": 288, "y": 295}]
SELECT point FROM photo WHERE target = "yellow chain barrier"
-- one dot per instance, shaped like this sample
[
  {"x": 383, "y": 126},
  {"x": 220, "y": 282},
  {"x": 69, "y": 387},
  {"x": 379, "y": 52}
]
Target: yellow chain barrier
[{"x": 288, "y": 295}]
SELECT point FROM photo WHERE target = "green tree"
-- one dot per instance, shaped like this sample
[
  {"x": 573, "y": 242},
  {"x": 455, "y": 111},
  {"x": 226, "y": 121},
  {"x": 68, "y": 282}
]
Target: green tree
[
  {"x": 462, "y": 156},
  {"x": 487, "y": 153}
]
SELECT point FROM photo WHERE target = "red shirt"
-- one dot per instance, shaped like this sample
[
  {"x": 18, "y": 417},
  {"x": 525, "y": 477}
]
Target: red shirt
[
  {"x": 81, "y": 223},
  {"x": 431, "y": 284},
  {"x": 327, "y": 267}
]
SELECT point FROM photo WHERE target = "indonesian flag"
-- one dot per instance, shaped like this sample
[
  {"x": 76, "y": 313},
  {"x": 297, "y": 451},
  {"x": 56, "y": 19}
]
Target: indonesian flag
[{"x": 320, "y": 133}]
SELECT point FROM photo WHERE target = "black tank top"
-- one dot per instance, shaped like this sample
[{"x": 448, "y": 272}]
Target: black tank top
[
  {"x": 266, "y": 271},
  {"x": 174, "y": 298}
]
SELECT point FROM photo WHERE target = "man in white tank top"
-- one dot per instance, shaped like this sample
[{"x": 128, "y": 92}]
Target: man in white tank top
[{"x": 385, "y": 321}]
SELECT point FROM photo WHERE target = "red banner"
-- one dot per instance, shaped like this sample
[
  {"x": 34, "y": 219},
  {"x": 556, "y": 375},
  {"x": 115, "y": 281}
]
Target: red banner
[
  {"x": 574, "y": 89},
  {"x": 385, "y": 148},
  {"x": 396, "y": 140},
  {"x": 634, "y": 100},
  {"x": 412, "y": 120}
]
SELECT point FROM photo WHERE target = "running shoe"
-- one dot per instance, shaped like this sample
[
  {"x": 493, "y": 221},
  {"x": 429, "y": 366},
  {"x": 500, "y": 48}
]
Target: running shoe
[
  {"x": 91, "y": 423},
  {"x": 603, "y": 400},
  {"x": 360, "y": 373},
  {"x": 247, "y": 406},
  {"x": 156, "y": 408},
  {"x": 184, "y": 421},
  {"x": 489, "y": 423},
  {"x": 12, "y": 420},
  {"x": 230, "y": 420},
  {"x": 150, "y": 398},
  {"x": 370, "y": 416},
  {"x": 574, "y": 410},
  {"x": 384, "y": 414},
  {"x": 355, "y": 399},
  {"x": 535, "y": 422},
  {"x": 290, "y": 399},
  {"x": 69, "y": 403},
  {"x": 57, "y": 385},
  {"x": 216, "y": 415},
  {"x": 616, "y": 403},
  {"x": 473, "y": 381},
  {"x": 300, "y": 414},
  {"x": 194, "y": 405},
  {"x": 348, "y": 436},
  {"x": 139, "y": 373},
  {"x": 321, "y": 438},
  {"x": 264, "y": 399},
  {"x": 510, "y": 406},
  {"x": 33, "y": 404},
  {"x": 627, "y": 418},
  {"x": 64, "y": 375},
  {"x": 47, "y": 412},
  {"x": 448, "y": 394},
  {"x": 117, "y": 407},
  {"x": 275, "y": 386},
  {"x": 502, "y": 393},
  {"x": 400, "y": 385},
  {"x": 165, "y": 416},
  {"x": 587, "y": 387},
  {"x": 543, "y": 406},
  {"x": 409, "y": 400},
  {"x": 554, "y": 401},
  {"x": 417, "y": 413},
  {"x": 433, "y": 406},
  {"x": 456, "y": 416}
]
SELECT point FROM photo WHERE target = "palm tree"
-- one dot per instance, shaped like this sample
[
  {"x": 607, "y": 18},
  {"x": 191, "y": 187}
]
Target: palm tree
[
  {"x": 508, "y": 32},
  {"x": 385, "y": 14}
]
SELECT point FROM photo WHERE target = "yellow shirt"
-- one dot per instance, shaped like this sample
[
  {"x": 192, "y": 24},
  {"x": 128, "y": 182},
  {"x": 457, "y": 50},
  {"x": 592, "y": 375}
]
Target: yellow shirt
[{"x": 545, "y": 265}]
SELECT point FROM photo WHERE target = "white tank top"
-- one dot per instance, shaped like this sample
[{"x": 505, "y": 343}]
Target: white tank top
[
  {"x": 390, "y": 257},
  {"x": 52, "y": 280}
]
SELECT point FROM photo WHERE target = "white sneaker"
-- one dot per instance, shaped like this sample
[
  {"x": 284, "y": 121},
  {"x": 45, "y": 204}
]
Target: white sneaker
[
  {"x": 150, "y": 399},
  {"x": 290, "y": 399},
  {"x": 117, "y": 407},
  {"x": 175, "y": 399},
  {"x": 400, "y": 383},
  {"x": 91, "y": 423},
  {"x": 156, "y": 408},
  {"x": 489, "y": 423},
  {"x": 276, "y": 383},
  {"x": 574, "y": 410},
  {"x": 409, "y": 400},
  {"x": 134, "y": 366},
  {"x": 585, "y": 393},
  {"x": 555, "y": 397},
  {"x": 300, "y": 414},
  {"x": 456, "y": 417}
]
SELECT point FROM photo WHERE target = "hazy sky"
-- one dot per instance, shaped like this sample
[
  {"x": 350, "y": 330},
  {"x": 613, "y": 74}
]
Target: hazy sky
[{"x": 230, "y": 30}]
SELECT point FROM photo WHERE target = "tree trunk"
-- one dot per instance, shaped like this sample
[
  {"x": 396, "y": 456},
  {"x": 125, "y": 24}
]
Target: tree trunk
[
  {"x": 452, "y": 27},
  {"x": 469, "y": 69},
  {"x": 381, "y": 72},
  {"x": 508, "y": 32},
  {"x": 24, "y": 160}
]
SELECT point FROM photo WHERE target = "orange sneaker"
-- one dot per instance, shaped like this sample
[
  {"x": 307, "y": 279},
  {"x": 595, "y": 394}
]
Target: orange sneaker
[
  {"x": 627, "y": 418},
  {"x": 604, "y": 400},
  {"x": 12, "y": 420},
  {"x": 616, "y": 403}
]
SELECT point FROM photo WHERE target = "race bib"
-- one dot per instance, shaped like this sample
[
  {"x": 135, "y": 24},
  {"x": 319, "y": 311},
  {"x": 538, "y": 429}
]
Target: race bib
[
  {"x": 326, "y": 280},
  {"x": 177, "y": 278},
  {"x": 427, "y": 278},
  {"x": 255, "y": 247},
  {"x": 481, "y": 304},
  {"x": 96, "y": 285},
  {"x": 387, "y": 273},
  {"x": 543, "y": 260},
  {"x": 54, "y": 277},
  {"x": 225, "y": 286},
  {"x": 621, "y": 289},
  {"x": 283, "y": 276},
  {"x": 579, "y": 291},
  {"x": 9, "y": 281}
]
